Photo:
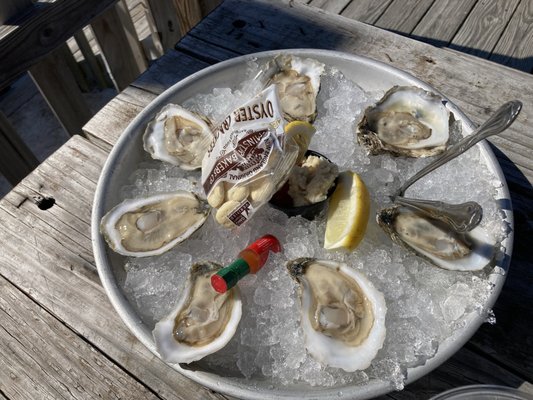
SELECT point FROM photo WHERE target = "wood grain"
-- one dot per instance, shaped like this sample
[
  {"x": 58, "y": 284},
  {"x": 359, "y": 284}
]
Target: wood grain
[
  {"x": 332, "y": 6},
  {"x": 189, "y": 14},
  {"x": 60, "y": 278},
  {"x": 165, "y": 16},
  {"x": 16, "y": 159},
  {"x": 40, "y": 358},
  {"x": 515, "y": 47},
  {"x": 367, "y": 11},
  {"x": 118, "y": 40},
  {"x": 439, "y": 30},
  {"x": 48, "y": 25},
  {"x": 58, "y": 86},
  {"x": 96, "y": 71},
  {"x": 482, "y": 29},
  {"x": 403, "y": 15}
]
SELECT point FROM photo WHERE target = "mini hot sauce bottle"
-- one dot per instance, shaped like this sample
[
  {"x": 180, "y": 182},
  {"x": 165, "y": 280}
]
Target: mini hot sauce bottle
[{"x": 250, "y": 260}]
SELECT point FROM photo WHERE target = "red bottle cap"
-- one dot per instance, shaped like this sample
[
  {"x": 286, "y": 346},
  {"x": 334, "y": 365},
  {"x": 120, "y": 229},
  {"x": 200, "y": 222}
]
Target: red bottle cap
[
  {"x": 219, "y": 283},
  {"x": 264, "y": 245},
  {"x": 228, "y": 276}
]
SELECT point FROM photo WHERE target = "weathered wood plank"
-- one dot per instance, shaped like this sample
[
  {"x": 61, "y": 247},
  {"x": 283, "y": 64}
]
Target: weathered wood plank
[
  {"x": 41, "y": 358},
  {"x": 58, "y": 86},
  {"x": 167, "y": 71},
  {"x": 74, "y": 67},
  {"x": 35, "y": 34},
  {"x": 403, "y": 15},
  {"x": 165, "y": 16},
  {"x": 16, "y": 159},
  {"x": 97, "y": 73},
  {"x": 483, "y": 27},
  {"x": 367, "y": 11},
  {"x": 439, "y": 30},
  {"x": 10, "y": 8},
  {"x": 209, "y": 5},
  {"x": 108, "y": 124},
  {"x": 118, "y": 41},
  {"x": 515, "y": 47},
  {"x": 189, "y": 14},
  {"x": 64, "y": 283},
  {"x": 332, "y": 6}
]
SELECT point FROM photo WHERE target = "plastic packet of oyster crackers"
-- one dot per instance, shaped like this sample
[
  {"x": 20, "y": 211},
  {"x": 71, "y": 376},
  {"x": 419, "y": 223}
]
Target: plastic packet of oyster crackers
[{"x": 248, "y": 160}]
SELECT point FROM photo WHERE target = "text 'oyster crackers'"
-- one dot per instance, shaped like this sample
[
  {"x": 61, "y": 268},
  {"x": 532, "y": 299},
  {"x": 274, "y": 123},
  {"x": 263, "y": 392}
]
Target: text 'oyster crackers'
[{"x": 248, "y": 159}]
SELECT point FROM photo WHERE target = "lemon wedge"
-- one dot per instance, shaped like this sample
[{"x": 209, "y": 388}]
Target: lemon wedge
[
  {"x": 348, "y": 212},
  {"x": 301, "y": 133}
]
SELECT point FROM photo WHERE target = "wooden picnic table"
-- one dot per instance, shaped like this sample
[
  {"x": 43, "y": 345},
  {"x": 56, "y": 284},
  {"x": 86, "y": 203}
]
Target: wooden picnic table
[{"x": 59, "y": 335}]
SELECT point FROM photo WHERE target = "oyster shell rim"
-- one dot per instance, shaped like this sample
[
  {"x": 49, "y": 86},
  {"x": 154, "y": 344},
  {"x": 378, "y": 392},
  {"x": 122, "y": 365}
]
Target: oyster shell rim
[
  {"x": 385, "y": 216},
  {"x": 110, "y": 218},
  {"x": 160, "y": 152},
  {"x": 369, "y": 139},
  {"x": 338, "y": 358},
  {"x": 195, "y": 353}
]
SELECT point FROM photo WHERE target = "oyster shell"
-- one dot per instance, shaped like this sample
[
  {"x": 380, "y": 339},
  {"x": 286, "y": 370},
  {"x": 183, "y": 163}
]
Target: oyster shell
[
  {"x": 152, "y": 225},
  {"x": 343, "y": 314},
  {"x": 407, "y": 121},
  {"x": 203, "y": 321},
  {"x": 298, "y": 82},
  {"x": 436, "y": 240},
  {"x": 178, "y": 136}
]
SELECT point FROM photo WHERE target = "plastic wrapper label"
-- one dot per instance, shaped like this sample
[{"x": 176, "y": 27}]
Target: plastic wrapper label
[{"x": 247, "y": 159}]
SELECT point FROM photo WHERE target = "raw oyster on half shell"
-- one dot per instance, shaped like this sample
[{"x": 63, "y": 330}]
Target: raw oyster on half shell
[
  {"x": 152, "y": 225},
  {"x": 298, "y": 82},
  {"x": 178, "y": 136},
  {"x": 436, "y": 240},
  {"x": 343, "y": 314},
  {"x": 203, "y": 322},
  {"x": 407, "y": 121}
]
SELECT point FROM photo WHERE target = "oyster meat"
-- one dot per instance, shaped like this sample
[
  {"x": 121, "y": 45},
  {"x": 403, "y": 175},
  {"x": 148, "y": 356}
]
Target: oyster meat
[
  {"x": 407, "y": 121},
  {"x": 343, "y": 314},
  {"x": 436, "y": 240},
  {"x": 178, "y": 136},
  {"x": 152, "y": 225},
  {"x": 298, "y": 82},
  {"x": 203, "y": 322}
]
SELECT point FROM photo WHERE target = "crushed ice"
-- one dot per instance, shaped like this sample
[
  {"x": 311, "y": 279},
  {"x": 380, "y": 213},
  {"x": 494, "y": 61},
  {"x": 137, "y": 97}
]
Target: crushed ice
[{"x": 425, "y": 304}]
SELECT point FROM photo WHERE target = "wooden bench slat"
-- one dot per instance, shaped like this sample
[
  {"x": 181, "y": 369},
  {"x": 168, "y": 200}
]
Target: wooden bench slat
[
  {"x": 367, "y": 11},
  {"x": 32, "y": 36},
  {"x": 189, "y": 14},
  {"x": 165, "y": 16},
  {"x": 515, "y": 47},
  {"x": 483, "y": 27},
  {"x": 332, "y": 6},
  {"x": 47, "y": 360},
  {"x": 58, "y": 86},
  {"x": 98, "y": 74},
  {"x": 403, "y": 15},
  {"x": 436, "y": 27},
  {"x": 16, "y": 159},
  {"x": 118, "y": 41}
]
